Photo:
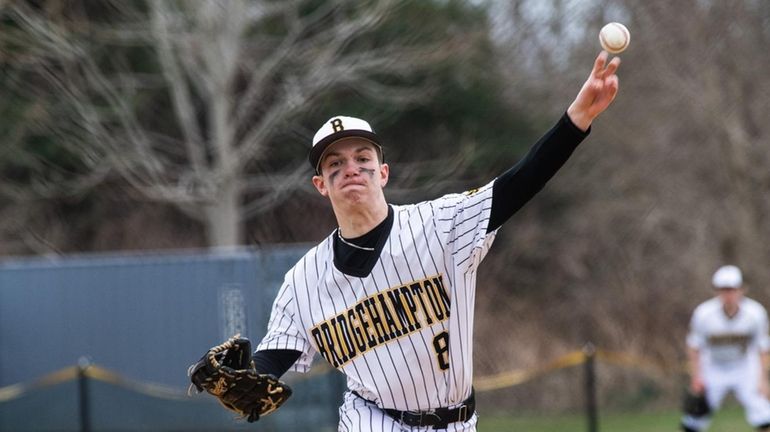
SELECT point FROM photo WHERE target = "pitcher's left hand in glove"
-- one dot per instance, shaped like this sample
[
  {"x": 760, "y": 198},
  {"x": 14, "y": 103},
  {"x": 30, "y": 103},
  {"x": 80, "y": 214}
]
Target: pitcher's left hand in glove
[{"x": 227, "y": 372}]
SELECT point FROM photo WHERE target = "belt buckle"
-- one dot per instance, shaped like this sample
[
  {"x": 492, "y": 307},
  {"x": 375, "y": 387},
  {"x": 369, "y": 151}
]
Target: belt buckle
[{"x": 463, "y": 411}]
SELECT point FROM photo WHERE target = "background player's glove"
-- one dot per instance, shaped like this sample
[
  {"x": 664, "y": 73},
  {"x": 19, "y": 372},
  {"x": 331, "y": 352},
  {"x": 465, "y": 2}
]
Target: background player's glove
[
  {"x": 696, "y": 405},
  {"x": 227, "y": 372}
]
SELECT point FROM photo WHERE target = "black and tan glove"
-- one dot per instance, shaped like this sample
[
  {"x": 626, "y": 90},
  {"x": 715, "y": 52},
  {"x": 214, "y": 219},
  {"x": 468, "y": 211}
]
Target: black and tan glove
[{"x": 227, "y": 372}]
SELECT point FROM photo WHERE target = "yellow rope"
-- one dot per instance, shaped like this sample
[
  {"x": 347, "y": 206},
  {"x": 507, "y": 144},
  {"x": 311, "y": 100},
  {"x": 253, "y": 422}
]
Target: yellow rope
[
  {"x": 95, "y": 372},
  {"x": 155, "y": 390},
  {"x": 512, "y": 378},
  {"x": 485, "y": 383},
  {"x": 16, "y": 390},
  {"x": 516, "y": 377}
]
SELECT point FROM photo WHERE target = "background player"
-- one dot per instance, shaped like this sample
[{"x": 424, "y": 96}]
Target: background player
[
  {"x": 728, "y": 351},
  {"x": 388, "y": 297}
]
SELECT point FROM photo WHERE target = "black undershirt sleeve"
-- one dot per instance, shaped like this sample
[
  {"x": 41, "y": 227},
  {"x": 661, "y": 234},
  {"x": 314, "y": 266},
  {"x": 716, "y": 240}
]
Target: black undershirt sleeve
[
  {"x": 275, "y": 362},
  {"x": 525, "y": 179}
]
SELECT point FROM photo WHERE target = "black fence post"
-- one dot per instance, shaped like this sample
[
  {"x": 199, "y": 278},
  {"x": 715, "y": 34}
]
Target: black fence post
[
  {"x": 83, "y": 399},
  {"x": 589, "y": 350}
]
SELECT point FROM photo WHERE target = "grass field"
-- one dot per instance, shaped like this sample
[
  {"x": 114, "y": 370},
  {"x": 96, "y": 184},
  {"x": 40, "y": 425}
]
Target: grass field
[{"x": 729, "y": 419}]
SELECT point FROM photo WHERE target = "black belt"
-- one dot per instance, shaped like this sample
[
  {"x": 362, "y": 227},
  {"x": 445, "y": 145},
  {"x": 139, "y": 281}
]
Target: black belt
[{"x": 438, "y": 418}]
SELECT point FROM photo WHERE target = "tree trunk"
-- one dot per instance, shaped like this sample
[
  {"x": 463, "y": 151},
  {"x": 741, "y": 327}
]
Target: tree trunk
[{"x": 224, "y": 226}]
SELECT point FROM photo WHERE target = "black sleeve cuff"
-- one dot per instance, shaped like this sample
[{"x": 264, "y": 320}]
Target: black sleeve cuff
[
  {"x": 274, "y": 362},
  {"x": 573, "y": 128}
]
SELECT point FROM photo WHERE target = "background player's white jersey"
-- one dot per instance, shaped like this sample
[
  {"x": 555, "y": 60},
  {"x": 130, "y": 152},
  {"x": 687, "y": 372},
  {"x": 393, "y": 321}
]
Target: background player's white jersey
[
  {"x": 403, "y": 334},
  {"x": 724, "y": 341},
  {"x": 729, "y": 354}
]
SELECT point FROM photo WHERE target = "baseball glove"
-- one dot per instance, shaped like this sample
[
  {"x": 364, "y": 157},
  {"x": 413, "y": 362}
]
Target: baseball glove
[
  {"x": 695, "y": 405},
  {"x": 227, "y": 372}
]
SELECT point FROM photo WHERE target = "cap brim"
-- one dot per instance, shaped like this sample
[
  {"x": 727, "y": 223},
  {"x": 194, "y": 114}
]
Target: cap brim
[{"x": 314, "y": 157}]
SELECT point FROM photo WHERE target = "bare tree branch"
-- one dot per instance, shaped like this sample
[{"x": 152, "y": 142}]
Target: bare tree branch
[
  {"x": 231, "y": 83},
  {"x": 183, "y": 105}
]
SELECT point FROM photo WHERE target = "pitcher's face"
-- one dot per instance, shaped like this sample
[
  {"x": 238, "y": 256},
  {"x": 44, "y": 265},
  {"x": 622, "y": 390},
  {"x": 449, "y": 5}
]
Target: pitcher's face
[{"x": 351, "y": 172}]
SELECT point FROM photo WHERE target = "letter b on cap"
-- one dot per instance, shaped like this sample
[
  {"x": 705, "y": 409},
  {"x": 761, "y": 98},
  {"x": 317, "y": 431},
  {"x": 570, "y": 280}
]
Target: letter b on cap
[{"x": 337, "y": 125}]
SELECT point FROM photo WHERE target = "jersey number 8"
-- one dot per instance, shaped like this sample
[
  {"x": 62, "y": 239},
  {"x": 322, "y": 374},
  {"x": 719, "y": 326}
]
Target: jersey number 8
[{"x": 441, "y": 345}]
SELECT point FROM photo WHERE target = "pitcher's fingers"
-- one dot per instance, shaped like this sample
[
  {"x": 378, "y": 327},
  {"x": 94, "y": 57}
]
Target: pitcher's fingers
[
  {"x": 613, "y": 82},
  {"x": 601, "y": 60},
  {"x": 611, "y": 68}
]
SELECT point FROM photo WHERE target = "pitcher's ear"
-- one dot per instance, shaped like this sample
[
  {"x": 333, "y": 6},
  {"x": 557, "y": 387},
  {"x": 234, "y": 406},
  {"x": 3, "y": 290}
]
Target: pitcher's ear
[
  {"x": 320, "y": 185},
  {"x": 384, "y": 174}
]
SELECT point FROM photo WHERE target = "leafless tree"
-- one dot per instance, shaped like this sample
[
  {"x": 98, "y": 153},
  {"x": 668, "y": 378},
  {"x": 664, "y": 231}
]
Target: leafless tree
[{"x": 237, "y": 75}]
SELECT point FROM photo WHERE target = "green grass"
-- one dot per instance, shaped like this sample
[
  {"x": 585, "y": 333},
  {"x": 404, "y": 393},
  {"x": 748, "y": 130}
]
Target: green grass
[{"x": 728, "y": 419}]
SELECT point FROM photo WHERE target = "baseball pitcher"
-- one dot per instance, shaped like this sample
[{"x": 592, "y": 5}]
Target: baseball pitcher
[{"x": 388, "y": 297}]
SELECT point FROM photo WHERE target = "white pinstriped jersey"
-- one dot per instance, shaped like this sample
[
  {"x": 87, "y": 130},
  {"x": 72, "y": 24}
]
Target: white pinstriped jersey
[
  {"x": 730, "y": 358},
  {"x": 724, "y": 341},
  {"x": 403, "y": 334}
]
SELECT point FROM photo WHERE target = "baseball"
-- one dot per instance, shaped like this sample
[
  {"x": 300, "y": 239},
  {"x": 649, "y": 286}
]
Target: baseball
[{"x": 614, "y": 37}]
